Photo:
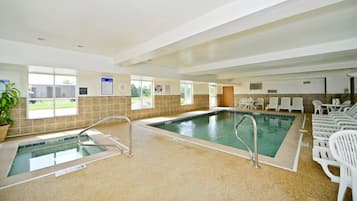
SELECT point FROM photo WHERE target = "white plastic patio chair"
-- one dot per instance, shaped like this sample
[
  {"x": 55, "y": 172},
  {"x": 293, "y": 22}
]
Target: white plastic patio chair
[
  {"x": 284, "y": 104},
  {"x": 318, "y": 107},
  {"x": 297, "y": 104},
  {"x": 259, "y": 102},
  {"x": 273, "y": 103},
  {"x": 343, "y": 146}
]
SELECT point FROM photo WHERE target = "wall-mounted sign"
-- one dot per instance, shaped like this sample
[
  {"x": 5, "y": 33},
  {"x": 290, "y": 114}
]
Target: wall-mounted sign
[
  {"x": 255, "y": 86},
  {"x": 83, "y": 90},
  {"x": 2, "y": 85},
  {"x": 158, "y": 88},
  {"x": 107, "y": 86}
]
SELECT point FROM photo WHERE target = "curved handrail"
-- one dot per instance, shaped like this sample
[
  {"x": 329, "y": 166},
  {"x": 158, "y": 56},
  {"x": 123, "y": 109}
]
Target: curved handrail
[
  {"x": 254, "y": 161},
  {"x": 102, "y": 121}
]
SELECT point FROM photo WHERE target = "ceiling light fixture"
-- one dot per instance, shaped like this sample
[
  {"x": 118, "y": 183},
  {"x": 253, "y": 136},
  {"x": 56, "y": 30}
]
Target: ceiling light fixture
[
  {"x": 40, "y": 38},
  {"x": 80, "y": 46}
]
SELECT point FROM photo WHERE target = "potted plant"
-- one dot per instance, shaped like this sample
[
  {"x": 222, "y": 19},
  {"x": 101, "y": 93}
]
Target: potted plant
[{"x": 9, "y": 98}]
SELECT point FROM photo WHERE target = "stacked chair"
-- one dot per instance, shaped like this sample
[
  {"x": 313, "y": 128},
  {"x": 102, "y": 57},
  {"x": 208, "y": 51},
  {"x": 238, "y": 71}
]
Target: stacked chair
[
  {"x": 323, "y": 126},
  {"x": 343, "y": 145}
]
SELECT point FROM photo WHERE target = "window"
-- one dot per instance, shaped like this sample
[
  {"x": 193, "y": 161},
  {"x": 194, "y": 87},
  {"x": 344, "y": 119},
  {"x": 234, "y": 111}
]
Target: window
[
  {"x": 212, "y": 95},
  {"x": 51, "y": 94},
  {"x": 141, "y": 94},
  {"x": 186, "y": 91}
]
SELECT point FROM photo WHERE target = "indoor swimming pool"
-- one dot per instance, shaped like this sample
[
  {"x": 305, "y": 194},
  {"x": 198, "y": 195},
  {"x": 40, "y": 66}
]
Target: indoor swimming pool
[{"x": 218, "y": 127}]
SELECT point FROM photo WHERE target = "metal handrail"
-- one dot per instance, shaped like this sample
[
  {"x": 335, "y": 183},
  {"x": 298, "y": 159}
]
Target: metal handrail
[
  {"x": 252, "y": 159},
  {"x": 102, "y": 121}
]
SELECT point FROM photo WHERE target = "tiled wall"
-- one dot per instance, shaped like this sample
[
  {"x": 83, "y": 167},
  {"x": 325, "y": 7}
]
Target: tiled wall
[
  {"x": 92, "y": 109},
  {"x": 308, "y": 98}
]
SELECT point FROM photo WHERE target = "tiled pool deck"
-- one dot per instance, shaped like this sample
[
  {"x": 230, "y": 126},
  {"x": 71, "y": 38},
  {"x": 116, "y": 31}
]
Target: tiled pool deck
[{"x": 163, "y": 168}]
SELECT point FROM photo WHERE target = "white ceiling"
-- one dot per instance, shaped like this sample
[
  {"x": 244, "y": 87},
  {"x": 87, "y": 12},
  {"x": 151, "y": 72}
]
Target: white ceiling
[
  {"x": 213, "y": 40},
  {"x": 102, "y": 27}
]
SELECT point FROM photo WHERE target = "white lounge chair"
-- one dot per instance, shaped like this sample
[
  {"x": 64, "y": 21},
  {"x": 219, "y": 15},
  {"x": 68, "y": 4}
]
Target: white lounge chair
[
  {"x": 242, "y": 103},
  {"x": 259, "y": 102},
  {"x": 284, "y": 104},
  {"x": 322, "y": 155},
  {"x": 273, "y": 103},
  {"x": 343, "y": 146},
  {"x": 297, "y": 104},
  {"x": 250, "y": 103}
]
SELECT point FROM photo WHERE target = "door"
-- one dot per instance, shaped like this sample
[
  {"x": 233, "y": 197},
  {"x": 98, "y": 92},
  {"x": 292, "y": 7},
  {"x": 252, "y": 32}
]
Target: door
[{"x": 228, "y": 96}]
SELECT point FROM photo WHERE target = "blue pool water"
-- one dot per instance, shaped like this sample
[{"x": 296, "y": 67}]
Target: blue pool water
[
  {"x": 48, "y": 153},
  {"x": 218, "y": 127}
]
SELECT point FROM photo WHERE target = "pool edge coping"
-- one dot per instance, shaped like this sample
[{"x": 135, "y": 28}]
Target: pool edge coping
[{"x": 210, "y": 145}]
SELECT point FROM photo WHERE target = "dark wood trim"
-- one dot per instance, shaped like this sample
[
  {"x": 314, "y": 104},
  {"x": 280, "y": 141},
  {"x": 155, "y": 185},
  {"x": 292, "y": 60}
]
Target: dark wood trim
[
  {"x": 325, "y": 85},
  {"x": 352, "y": 89}
]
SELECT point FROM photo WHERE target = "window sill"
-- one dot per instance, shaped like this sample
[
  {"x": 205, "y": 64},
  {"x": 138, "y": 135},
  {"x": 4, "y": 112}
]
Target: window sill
[{"x": 70, "y": 115}]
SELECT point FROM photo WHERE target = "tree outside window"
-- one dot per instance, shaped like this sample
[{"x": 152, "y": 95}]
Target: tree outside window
[
  {"x": 141, "y": 94},
  {"x": 186, "y": 91}
]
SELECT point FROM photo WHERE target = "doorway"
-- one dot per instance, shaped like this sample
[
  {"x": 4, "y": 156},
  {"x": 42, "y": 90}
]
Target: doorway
[{"x": 228, "y": 96}]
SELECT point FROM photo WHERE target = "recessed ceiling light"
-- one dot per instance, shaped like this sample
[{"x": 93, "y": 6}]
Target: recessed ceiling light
[
  {"x": 80, "y": 46},
  {"x": 40, "y": 38}
]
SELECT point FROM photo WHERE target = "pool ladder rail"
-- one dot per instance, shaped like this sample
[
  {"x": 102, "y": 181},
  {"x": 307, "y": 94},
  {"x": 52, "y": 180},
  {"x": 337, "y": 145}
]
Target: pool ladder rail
[
  {"x": 116, "y": 143},
  {"x": 253, "y": 159}
]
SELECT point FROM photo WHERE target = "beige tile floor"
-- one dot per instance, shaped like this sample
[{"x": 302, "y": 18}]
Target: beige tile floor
[{"x": 163, "y": 169}]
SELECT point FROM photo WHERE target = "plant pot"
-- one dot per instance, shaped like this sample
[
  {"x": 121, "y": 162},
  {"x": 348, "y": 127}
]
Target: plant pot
[{"x": 3, "y": 132}]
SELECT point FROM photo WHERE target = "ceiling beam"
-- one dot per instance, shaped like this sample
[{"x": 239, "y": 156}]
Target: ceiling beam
[
  {"x": 217, "y": 17},
  {"x": 291, "y": 70},
  {"x": 313, "y": 50},
  {"x": 209, "y": 26}
]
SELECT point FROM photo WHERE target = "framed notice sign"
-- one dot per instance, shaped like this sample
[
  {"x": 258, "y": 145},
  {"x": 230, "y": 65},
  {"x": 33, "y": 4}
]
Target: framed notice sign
[
  {"x": 107, "y": 86},
  {"x": 2, "y": 85}
]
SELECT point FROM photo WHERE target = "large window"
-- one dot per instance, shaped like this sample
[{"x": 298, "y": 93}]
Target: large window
[
  {"x": 51, "y": 93},
  {"x": 141, "y": 94},
  {"x": 186, "y": 91},
  {"x": 212, "y": 95}
]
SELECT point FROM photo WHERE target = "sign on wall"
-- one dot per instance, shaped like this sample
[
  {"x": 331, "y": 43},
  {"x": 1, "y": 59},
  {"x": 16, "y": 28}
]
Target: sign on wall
[
  {"x": 107, "y": 86},
  {"x": 2, "y": 85}
]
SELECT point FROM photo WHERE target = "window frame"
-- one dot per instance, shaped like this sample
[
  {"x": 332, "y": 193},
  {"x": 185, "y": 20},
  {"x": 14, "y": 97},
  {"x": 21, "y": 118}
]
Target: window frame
[
  {"x": 54, "y": 98},
  {"x": 192, "y": 96},
  {"x": 141, "y": 80}
]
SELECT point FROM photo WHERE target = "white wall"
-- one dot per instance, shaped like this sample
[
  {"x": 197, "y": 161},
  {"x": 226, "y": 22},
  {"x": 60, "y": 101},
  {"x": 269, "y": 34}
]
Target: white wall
[
  {"x": 16, "y": 74},
  {"x": 170, "y": 87},
  {"x": 200, "y": 88},
  {"x": 283, "y": 86},
  {"x": 336, "y": 82},
  {"x": 92, "y": 80}
]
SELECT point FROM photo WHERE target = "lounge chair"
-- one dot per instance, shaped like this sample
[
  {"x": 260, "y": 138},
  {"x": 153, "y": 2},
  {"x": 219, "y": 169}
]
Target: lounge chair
[
  {"x": 343, "y": 146},
  {"x": 260, "y": 102},
  {"x": 321, "y": 154},
  {"x": 284, "y": 104},
  {"x": 273, "y": 103},
  {"x": 242, "y": 103},
  {"x": 297, "y": 104},
  {"x": 250, "y": 103}
]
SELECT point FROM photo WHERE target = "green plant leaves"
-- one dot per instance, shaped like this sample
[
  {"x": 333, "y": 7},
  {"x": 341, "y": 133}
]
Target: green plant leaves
[{"x": 9, "y": 99}]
